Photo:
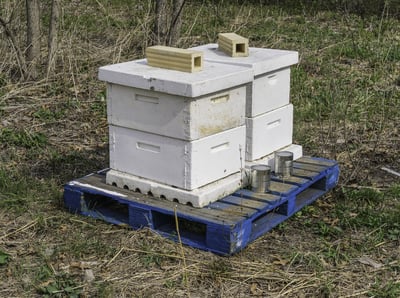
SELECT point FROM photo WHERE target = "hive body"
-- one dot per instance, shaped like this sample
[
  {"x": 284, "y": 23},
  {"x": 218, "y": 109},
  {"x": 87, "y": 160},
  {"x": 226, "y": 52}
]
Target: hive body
[
  {"x": 178, "y": 135},
  {"x": 266, "y": 97}
]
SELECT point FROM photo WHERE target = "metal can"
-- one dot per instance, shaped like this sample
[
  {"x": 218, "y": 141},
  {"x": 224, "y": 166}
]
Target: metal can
[
  {"x": 283, "y": 163},
  {"x": 260, "y": 178}
]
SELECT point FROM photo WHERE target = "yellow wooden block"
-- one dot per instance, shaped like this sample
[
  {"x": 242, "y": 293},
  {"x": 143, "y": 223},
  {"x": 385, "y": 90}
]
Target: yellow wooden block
[
  {"x": 233, "y": 44},
  {"x": 174, "y": 58}
]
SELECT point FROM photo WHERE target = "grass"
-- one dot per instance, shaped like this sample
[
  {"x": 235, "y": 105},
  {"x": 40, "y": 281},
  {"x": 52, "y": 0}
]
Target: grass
[{"x": 345, "y": 91}]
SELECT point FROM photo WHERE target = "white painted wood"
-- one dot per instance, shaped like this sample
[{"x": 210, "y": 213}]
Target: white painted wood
[
  {"x": 269, "y": 132},
  {"x": 269, "y": 160},
  {"x": 269, "y": 91},
  {"x": 270, "y": 88},
  {"x": 183, "y": 164},
  {"x": 213, "y": 78},
  {"x": 176, "y": 116},
  {"x": 261, "y": 60},
  {"x": 198, "y": 197}
]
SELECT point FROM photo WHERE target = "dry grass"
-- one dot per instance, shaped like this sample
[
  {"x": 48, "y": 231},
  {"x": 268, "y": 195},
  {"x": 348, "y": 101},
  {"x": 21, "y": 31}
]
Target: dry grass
[{"x": 346, "y": 95}]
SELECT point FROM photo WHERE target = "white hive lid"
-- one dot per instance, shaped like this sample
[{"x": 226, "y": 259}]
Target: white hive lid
[
  {"x": 261, "y": 60},
  {"x": 214, "y": 77}
]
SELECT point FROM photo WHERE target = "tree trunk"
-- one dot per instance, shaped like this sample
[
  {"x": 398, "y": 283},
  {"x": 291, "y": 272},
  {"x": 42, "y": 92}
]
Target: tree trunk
[
  {"x": 19, "y": 55},
  {"x": 176, "y": 22},
  {"x": 160, "y": 24},
  {"x": 33, "y": 36},
  {"x": 167, "y": 29},
  {"x": 52, "y": 40}
]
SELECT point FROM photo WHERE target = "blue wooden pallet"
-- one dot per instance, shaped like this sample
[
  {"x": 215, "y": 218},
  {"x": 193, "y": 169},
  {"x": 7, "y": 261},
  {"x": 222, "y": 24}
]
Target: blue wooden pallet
[{"x": 223, "y": 227}]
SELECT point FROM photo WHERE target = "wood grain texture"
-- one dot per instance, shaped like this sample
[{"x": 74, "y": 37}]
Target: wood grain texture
[
  {"x": 223, "y": 227},
  {"x": 174, "y": 58},
  {"x": 233, "y": 44}
]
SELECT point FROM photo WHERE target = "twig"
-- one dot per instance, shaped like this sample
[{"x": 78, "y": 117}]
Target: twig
[
  {"x": 160, "y": 254},
  {"x": 364, "y": 187},
  {"x": 81, "y": 222},
  {"x": 114, "y": 257},
  {"x": 28, "y": 225},
  {"x": 181, "y": 249},
  {"x": 356, "y": 294},
  {"x": 390, "y": 171}
]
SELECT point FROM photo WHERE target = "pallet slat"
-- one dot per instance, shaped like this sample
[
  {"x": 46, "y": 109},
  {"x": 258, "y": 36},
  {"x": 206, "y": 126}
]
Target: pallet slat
[{"x": 223, "y": 227}]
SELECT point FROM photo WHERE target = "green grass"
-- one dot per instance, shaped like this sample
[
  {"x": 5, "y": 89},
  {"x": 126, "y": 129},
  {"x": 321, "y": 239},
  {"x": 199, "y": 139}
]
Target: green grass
[
  {"x": 22, "y": 138},
  {"x": 379, "y": 211}
]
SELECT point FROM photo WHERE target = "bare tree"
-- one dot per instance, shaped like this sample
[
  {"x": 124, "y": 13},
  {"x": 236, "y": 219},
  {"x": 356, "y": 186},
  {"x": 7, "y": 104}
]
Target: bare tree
[
  {"x": 33, "y": 36},
  {"x": 174, "y": 31},
  {"x": 160, "y": 29},
  {"x": 168, "y": 21},
  {"x": 52, "y": 39},
  {"x": 29, "y": 64}
]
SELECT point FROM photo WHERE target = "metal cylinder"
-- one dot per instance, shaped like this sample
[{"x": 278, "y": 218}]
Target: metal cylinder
[
  {"x": 260, "y": 178},
  {"x": 283, "y": 163}
]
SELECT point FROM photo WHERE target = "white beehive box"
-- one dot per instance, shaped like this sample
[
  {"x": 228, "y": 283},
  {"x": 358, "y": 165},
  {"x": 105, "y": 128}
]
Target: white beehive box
[
  {"x": 173, "y": 103},
  {"x": 176, "y": 116},
  {"x": 179, "y": 163},
  {"x": 269, "y": 132},
  {"x": 269, "y": 160},
  {"x": 271, "y": 85}
]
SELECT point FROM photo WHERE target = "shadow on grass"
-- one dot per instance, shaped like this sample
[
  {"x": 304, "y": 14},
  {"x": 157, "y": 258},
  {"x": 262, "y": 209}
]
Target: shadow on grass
[{"x": 66, "y": 166}]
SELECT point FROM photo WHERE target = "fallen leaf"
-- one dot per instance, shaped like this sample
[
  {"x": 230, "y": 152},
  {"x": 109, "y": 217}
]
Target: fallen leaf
[
  {"x": 89, "y": 275},
  {"x": 368, "y": 261}
]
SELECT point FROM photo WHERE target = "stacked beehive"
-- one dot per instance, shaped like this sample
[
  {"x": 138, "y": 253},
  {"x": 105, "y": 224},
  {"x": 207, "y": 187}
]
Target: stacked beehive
[
  {"x": 177, "y": 134},
  {"x": 269, "y": 114},
  {"x": 181, "y": 128}
]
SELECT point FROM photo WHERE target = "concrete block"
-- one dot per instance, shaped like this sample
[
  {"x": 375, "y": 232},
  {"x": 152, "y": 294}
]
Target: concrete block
[
  {"x": 233, "y": 44},
  {"x": 213, "y": 78},
  {"x": 270, "y": 88},
  {"x": 269, "y": 132},
  {"x": 183, "y": 164},
  {"x": 176, "y": 116},
  {"x": 174, "y": 58}
]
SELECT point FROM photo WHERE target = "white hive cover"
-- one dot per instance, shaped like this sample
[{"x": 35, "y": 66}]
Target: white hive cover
[
  {"x": 214, "y": 77},
  {"x": 261, "y": 60}
]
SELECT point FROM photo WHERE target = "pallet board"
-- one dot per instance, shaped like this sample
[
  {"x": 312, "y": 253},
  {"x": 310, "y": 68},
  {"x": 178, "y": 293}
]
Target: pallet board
[{"x": 223, "y": 227}]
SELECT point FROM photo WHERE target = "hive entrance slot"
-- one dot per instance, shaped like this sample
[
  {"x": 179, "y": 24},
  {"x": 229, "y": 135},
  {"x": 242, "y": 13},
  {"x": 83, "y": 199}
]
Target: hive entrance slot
[{"x": 107, "y": 207}]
